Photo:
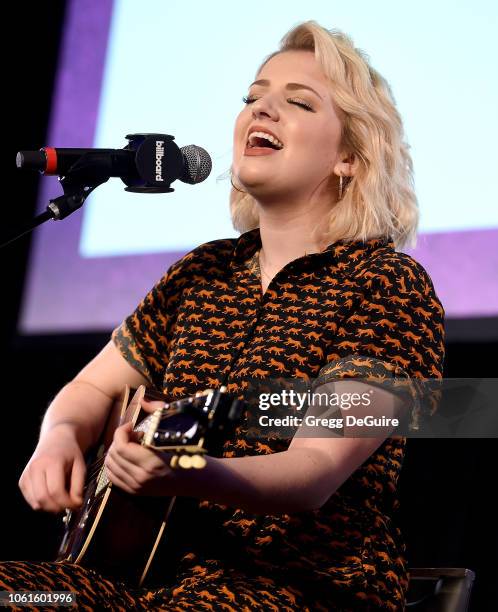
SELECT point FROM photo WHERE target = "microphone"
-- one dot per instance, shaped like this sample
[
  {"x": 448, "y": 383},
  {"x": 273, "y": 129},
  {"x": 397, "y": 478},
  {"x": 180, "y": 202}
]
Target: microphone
[{"x": 149, "y": 163}]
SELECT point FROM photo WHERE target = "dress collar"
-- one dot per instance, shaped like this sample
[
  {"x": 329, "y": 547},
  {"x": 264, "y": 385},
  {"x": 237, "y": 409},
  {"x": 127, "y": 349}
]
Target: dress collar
[{"x": 339, "y": 252}]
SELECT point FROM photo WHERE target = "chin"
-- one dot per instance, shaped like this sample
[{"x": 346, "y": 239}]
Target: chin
[{"x": 254, "y": 178}]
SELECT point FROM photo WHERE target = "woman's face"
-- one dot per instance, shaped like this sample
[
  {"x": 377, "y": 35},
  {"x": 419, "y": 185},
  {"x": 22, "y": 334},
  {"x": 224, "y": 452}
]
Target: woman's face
[{"x": 310, "y": 134}]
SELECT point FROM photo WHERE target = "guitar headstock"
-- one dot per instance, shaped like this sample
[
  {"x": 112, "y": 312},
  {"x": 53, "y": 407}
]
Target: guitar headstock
[{"x": 190, "y": 427}]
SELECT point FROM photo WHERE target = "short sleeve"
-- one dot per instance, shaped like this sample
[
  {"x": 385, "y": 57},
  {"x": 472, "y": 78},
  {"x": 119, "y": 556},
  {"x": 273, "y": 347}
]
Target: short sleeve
[
  {"x": 395, "y": 335},
  {"x": 144, "y": 337}
]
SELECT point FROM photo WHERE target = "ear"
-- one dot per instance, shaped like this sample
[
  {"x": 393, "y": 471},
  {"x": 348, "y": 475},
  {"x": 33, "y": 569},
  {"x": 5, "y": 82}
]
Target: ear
[{"x": 347, "y": 166}]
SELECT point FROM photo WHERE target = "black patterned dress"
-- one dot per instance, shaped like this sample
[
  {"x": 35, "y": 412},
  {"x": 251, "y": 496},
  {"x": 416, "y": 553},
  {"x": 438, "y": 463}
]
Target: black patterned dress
[{"x": 355, "y": 309}]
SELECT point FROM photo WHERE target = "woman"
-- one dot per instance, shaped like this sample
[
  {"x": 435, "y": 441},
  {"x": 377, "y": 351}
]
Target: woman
[{"x": 312, "y": 289}]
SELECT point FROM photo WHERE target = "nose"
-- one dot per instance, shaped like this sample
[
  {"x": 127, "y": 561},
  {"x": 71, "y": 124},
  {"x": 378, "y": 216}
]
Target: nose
[{"x": 263, "y": 107}]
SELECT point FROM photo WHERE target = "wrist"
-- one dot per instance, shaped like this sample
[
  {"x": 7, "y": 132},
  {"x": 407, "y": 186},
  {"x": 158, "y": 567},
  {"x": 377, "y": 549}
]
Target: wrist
[{"x": 81, "y": 434}]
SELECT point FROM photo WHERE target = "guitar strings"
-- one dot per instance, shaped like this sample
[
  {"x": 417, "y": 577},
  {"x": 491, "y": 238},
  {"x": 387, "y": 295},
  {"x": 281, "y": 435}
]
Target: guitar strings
[{"x": 95, "y": 468}]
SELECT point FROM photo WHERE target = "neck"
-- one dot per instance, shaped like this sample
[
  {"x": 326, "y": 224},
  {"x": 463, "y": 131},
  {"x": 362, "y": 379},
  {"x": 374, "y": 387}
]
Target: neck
[{"x": 288, "y": 236}]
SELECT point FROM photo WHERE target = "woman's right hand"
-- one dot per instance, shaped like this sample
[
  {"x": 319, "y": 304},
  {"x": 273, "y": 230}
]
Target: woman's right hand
[{"x": 54, "y": 477}]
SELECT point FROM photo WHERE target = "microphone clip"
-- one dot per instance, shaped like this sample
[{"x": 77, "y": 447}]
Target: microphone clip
[{"x": 159, "y": 162}]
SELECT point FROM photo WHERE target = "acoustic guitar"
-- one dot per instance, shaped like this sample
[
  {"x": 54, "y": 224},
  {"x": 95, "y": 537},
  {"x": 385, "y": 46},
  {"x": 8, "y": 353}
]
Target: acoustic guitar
[{"x": 116, "y": 533}]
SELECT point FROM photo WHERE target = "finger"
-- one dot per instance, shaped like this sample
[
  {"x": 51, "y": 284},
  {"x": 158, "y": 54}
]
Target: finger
[
  {"x": 122, "y": 435},
  {"x": 27, "y": 489},
  {"x": 151, "y": 405},
  {"x": 127, "y": 441},
  {"x": 78, "y": 475},
  {"x": 140, "y": 462},
  {"x": 56, "y": 486},
  {"x": 116, "y": 481},
  {"x": 41, "y": 497},
  {"x": 139, "y": 465},
  {"x": 119, "y": 476},
  {"x": 136, "y": 454},
  {"x": 136, "y": 436},
  {"x": 51, "y": 505}
]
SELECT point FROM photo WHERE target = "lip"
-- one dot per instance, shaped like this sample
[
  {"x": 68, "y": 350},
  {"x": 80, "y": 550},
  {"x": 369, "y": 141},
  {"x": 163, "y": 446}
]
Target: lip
[{"x": 252, "y": 151}]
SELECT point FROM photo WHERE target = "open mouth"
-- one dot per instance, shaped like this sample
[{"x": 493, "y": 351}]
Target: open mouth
[{"x": 261, "y": 140}]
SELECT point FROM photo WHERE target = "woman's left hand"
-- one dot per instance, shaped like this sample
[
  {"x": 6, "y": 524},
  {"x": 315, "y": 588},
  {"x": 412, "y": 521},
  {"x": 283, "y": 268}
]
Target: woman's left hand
[{"x": 137, "y": 469}]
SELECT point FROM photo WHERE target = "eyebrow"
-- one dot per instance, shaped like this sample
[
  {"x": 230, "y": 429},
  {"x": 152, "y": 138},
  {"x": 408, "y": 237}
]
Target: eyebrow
[{"x": 290, "y": 86}]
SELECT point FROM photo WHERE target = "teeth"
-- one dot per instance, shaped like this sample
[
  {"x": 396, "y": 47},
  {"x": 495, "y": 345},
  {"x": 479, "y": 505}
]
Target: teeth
[{"x": 269, "y": 137}]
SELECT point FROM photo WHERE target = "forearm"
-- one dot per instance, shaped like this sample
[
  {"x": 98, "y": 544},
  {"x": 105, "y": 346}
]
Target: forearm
[
  {"x": 264, "y": 484},
  {"x": 80, "y": 406}
]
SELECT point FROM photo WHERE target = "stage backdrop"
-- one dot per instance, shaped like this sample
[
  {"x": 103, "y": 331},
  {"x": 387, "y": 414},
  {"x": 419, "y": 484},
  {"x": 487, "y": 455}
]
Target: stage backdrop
[{"x": 182, "y": 69}]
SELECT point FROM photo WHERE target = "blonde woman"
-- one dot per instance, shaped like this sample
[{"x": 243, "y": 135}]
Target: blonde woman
[{"x": 314, "y": 288}]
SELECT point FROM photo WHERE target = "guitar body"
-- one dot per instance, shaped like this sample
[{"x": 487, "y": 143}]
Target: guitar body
[{"x": 116, "y": 533}]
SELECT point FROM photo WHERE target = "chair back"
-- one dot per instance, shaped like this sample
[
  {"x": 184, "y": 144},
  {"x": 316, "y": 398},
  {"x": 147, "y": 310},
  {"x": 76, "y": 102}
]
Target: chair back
[{"x": 439, "y": 589}]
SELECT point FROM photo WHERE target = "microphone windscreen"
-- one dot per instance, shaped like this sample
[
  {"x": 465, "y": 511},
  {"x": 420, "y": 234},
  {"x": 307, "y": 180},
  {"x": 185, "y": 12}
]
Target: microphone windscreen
[{"x": 197, "y": 164}]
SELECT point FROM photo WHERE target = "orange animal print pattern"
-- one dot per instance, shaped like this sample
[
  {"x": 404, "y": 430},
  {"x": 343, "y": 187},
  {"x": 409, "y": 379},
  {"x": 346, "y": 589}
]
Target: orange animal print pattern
[
  {"x": 335, "y": 313},
  {"x": 208, "y": 587},
  {"x": 354, "y": 309}
]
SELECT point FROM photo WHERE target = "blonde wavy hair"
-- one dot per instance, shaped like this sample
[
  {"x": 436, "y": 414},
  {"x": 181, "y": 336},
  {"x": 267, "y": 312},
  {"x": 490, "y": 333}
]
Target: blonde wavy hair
[{"x": 379, "y": 200}]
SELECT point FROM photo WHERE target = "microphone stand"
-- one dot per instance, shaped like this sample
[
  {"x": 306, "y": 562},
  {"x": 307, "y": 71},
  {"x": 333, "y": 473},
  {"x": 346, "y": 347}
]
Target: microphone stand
[{"x": 78, "y": 183}]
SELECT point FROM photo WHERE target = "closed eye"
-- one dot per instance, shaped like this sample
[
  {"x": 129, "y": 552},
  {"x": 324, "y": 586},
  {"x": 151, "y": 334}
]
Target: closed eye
[{"x": 305, "y": 105}]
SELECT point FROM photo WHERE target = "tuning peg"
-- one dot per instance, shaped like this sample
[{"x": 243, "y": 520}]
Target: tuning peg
[
  {"x": 173, "y": 462},
  {"x": 198, "y": 462},
  {"x": 185, "y": 462}
]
